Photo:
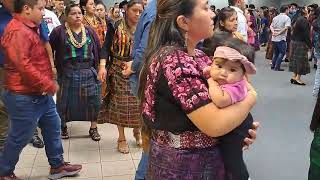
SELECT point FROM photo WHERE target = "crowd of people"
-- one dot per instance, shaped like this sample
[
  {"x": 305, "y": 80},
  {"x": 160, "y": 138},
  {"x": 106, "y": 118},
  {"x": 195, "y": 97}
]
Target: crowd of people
[{"x": 175, "y": 71}]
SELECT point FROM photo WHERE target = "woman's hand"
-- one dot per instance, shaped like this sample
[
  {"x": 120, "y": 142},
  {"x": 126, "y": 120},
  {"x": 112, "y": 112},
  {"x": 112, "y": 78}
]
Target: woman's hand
[
  {"x": 252, "y": 135},
  {"x": 102, "y": 74},
  {"x": 127, "y": 69}
]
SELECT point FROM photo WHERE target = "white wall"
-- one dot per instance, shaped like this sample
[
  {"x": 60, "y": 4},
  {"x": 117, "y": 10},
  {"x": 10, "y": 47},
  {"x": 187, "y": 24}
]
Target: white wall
[
  {"x": 300, "y": 2},
  {"x": 223, "y": 3},
  {"x": 110, "y": 3}
]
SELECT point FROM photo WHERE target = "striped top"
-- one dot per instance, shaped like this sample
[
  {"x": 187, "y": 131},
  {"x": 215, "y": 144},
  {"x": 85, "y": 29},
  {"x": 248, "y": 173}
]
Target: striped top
[
  {"x": 122, "y": 42},
  {"x": 79, "y": 54}
]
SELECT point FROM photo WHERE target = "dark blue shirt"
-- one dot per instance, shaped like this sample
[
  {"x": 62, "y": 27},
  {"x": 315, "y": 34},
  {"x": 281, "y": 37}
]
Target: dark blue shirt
[
  {"x": 141, "y": 41},
  {"x": 44, "y": 31},
  {"x": 5, "y": 18}
]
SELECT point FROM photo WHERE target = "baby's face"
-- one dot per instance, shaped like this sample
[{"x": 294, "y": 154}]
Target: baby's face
[{"x": 228, "y": 72}]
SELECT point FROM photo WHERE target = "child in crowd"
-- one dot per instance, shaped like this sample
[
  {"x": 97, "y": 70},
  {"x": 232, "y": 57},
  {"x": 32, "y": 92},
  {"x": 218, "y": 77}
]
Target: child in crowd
[
  {"x": 44, "y": 35},
  {"x": 228, "y": 72}
]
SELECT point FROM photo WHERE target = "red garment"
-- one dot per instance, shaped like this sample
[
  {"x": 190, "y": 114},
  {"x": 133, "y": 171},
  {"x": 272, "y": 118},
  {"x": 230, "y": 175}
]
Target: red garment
[{"x": 27, "y": 65}]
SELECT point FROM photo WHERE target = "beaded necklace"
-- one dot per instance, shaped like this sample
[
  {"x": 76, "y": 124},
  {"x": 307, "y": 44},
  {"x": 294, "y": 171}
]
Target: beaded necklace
[{"x": 73, "y": 41}]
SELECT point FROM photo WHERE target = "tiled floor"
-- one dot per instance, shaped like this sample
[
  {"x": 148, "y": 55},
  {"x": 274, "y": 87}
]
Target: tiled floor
[{"x": 100, "y": 160}]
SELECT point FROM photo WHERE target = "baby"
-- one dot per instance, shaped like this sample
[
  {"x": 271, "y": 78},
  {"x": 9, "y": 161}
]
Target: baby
[{"x": 229, "y": 70}]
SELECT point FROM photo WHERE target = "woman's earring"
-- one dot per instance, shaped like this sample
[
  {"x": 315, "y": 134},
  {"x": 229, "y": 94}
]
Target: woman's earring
[{"x": 186, "y": 40}]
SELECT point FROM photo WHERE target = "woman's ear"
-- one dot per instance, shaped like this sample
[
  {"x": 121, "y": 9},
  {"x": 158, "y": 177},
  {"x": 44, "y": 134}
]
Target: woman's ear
[
  {"x": 183, "y": 23},
  {"x": 221, "y": 23}
]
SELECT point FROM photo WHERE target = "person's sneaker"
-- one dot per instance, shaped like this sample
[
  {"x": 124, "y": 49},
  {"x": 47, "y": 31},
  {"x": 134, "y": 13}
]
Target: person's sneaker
[
  {"x": 37, "y": 142},
  {"x": 11, "y": 177},
  {"x": 65, "y": 170}
]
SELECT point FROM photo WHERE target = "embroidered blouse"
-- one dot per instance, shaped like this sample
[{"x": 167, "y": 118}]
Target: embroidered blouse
[{"x": 175, "y": 87}]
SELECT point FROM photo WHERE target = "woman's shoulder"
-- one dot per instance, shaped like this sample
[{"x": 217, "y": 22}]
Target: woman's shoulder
[{"x": 171, "y": 57}]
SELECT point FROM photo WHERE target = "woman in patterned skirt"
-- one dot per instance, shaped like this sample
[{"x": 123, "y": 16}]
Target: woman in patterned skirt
[
  {"x": 122, "y": 107},
  {"x": 300, "y": 43},
  {"x": 76, "y": 58}
]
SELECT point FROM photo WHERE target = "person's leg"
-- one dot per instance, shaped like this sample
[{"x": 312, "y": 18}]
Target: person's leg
[
  {"x": 4, "y": 126},
  {"x": 4, "y": 122},
  {"x": 275, "y": 54},
  {"x": 93, "y": 132},
  {"x": 23, "y": 121},
  {"x": 122, "y": 143},
  {"x": 142, "y": 167},
  {"x": 137, "y": 136},
  {"x": 294, "y": 76},
  {"x": 282, "y": 47},
  {"x": 50, "y": 124}
]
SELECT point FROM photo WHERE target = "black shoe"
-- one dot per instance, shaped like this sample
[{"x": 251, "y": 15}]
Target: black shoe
[
  {"x": 272, "y": 68},
  {"x": 300, "y": 83},
  {"x": 279, "y": 69},
  {"x": 37, "y": 142},
  {"x": 286, "y": 60},
  {"x": 315, "y": 66}
]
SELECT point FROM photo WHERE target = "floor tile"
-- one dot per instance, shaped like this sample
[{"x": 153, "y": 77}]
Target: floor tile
[
  {"x": 113, "y": 155},
  {"x": 125, "y": 177},
  {"x": 84, "y": 157},
  {"x": 108, "y": 143},
  {"x": 136, "y": 153},
  {"x": 39, "y": 173},
  {"x": 23, "y": 173},
  {"x": 136, "y": 163},
  {"x": 29, "y": 150},
  {"x": 26, "y": 161},
  {"x": 83, "y": 144},
  {"x": 90, "y": 170},
  {"x": 118, "y": 168},
  {"x": 41, "y": 161}
]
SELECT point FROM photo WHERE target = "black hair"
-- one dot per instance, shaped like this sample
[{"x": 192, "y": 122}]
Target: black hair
[
  {"x": 232, "y": 2},
  {"x": 100, "y": 2},
  {"x": 123, "y": 3},
  {"x": 18, "y": 4},
  {"x": 213, "y": 7},
  {"x": 69, "y": 7},
  {"x": 83, "y": 3},
  {"x": 294, "y": 4},
  {"x": 283, "y": 8},
  {"x": 221, "y": 38},
  {"x": 252, "y": 6}
]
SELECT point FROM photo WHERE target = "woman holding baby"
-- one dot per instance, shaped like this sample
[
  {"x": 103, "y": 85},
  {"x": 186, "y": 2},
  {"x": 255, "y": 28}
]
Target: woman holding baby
[{"x": 175, "y": 96}]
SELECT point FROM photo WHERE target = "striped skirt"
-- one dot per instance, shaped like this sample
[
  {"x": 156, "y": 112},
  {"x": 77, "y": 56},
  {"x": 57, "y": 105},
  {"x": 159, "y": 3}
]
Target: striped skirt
[
  {"x": 79, "y": 96},
  {"x": 299, "y": 62},
  {"x": 121, "y": 107}
]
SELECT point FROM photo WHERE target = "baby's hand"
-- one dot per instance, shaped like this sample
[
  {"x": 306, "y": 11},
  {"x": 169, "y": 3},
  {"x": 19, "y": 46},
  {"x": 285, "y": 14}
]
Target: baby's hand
[{"x": 215, "y": 73}]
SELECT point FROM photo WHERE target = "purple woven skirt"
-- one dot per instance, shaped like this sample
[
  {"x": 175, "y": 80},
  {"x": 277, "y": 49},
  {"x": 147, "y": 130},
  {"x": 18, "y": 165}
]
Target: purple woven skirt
[{"x": 167, "y": 163}]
